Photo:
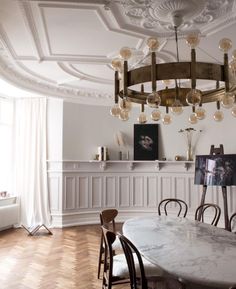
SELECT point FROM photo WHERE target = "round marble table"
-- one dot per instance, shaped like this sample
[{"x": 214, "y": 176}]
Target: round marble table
[{"x": 197, "y": 252}]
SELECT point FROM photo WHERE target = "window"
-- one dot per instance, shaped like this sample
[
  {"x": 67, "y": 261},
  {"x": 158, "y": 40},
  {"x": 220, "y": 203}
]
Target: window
[{"x": 6, "y": 125}]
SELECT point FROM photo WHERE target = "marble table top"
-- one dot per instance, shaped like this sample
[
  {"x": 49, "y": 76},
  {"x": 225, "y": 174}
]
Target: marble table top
[{"x": 198, "y": 252}]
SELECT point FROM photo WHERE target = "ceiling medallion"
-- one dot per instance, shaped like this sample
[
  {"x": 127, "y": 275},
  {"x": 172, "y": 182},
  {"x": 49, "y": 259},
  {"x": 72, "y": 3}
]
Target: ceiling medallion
[{"x": 152, "y": 14}]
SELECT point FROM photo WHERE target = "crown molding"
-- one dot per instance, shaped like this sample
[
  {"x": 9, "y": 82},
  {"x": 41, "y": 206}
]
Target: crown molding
[{"x": 10, "y": 72}]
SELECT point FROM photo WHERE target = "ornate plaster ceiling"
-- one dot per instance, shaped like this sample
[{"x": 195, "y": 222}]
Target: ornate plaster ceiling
[{"x": 64, "y": 48}]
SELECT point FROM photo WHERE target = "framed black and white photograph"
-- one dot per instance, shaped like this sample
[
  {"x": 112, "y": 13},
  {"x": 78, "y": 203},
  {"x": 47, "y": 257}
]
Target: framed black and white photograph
[
  {"x": 146, "y": 142},
  {"x": 215, "y": 170}
]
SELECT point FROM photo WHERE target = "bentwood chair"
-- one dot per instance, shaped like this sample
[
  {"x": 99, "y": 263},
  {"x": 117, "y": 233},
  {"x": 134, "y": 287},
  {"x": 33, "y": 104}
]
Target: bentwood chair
[
  {"x": 144, "y": 274},
  {"x": 107, "y": 219},
  {"x": 182, "y": 207},
  {"x": 232, "y": 222},
  {"x": 115, "y": 270},
  {"x": 200, "y": 212}
]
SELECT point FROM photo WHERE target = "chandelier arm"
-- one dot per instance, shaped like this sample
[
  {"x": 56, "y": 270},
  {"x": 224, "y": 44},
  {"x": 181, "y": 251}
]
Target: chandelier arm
[
  {"x": 226, "y": 72},
  {"x": 153, "y": 72},
  {"x": 125, "y": 78},
  {"x": 117, "y": 86},
  {"x": 193, "y": 68}
]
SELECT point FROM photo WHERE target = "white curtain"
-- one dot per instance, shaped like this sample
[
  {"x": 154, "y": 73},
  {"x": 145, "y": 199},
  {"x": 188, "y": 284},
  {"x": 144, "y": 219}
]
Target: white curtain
[{"x": 30, "y": 168}]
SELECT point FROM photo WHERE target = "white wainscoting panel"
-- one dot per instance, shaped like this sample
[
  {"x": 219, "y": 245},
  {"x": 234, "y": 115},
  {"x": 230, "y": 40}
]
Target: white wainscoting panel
[
  {"x": 151, "y": 191},
  {"x": 82, "y": 192},
  {"x": 138, "y": 191},
  {"x": 79, "y": 190},
  {"x": 109, "y": 195},
  {"x": 123, "y": 191}
]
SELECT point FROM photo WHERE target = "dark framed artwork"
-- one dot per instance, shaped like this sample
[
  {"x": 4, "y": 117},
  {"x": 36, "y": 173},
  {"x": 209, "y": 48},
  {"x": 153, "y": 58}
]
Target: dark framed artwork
[
  {"x": 215, "y": 170},
  {"x": 146, "y": 142}
]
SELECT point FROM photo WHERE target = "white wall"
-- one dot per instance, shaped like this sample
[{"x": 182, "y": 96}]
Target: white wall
[
  {"x": 87, "y": 127},
  {"x": 54, "y": 127}
]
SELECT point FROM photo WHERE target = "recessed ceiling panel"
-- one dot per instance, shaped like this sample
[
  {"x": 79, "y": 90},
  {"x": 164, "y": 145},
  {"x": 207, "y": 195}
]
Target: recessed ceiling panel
[
  {"x": 13, "y": 29},
  {"x": 81, "y": 31}
]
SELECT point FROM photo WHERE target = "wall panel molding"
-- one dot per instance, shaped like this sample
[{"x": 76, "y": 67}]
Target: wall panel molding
[{"x": 80, "y": 190}]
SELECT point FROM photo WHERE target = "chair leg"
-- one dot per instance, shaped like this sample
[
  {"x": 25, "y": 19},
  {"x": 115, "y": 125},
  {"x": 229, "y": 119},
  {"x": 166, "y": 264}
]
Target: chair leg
[{"x": 100, "y": 257}]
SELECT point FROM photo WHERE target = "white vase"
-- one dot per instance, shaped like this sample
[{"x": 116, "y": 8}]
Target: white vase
[{"x": 189, "y": 153}]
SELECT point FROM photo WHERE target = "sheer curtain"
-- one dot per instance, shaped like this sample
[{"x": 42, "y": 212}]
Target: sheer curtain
[{"x": 30, "y": 168}]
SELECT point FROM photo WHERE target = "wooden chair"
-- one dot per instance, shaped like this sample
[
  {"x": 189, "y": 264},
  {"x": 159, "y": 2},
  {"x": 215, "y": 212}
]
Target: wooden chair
[
  {"x": 115, "y": 267},
  {"x": 144, "y": 274},
  {"x": 107, "y": 219},
  {"x": 200, "y": 211},
  {"x": 232, "y": 220},
  {"x": 183, "y": 207}
]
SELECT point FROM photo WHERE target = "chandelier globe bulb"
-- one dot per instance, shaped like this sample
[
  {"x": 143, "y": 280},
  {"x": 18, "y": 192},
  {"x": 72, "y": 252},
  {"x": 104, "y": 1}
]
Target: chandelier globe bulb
[
  {"x": 142, "y": 118},
  {"x": 156, "y": 115},
  {"x": 124, "y": 115},
  {"x": 225, "y": 45},
  {"x": 193, "y": 118},
  {"x": 200, "y": 113},
  {"x": 194, "y": 97},
  {"x": 125, "y": 104},
  {"x": 153, "y": 99},
  {"x": 193, "y": 39},
  {"x": 218, "y": 115},
  {"x": 167, "y": 119},
  {"x": 227, "y": 100},
  {"x": 233, "y": 112},
  {"x": 153, "y": 44},
  {"x": 176, "y": 107},
  {"x": 125, "y": 53},
  {"x": 116, "y": 64},
  {"x": 115, "y": 110}
]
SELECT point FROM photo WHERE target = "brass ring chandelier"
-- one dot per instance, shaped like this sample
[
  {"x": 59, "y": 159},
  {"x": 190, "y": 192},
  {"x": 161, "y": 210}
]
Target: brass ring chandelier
[{"x": 174, "y": 99}]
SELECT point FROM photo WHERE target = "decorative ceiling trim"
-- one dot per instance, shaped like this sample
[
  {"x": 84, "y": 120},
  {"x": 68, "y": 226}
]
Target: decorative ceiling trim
[
  {"x": 10, "y": 73},
  {"x": 30, "y": 24},
  {"x": 70, "y": 69}
]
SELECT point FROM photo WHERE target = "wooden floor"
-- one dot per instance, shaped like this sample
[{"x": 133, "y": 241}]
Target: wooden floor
[{"x": 65, "y": 260}]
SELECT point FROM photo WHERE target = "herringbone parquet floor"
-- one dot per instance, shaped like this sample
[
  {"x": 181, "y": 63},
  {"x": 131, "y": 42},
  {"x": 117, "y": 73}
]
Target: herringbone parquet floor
[{"x": 65, "y": 260}]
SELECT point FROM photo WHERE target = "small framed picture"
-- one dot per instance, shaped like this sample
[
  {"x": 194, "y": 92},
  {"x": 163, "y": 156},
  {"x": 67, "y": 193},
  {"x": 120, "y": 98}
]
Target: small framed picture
[{"x": 146, "y": 142}]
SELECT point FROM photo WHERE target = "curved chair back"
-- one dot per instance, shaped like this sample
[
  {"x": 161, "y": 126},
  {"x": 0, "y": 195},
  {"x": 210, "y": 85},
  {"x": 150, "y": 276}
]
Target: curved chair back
[
  {"x": 108, "y": 278},
  {"x": 129, "y": 249},
  {"x": 200, "y": 211},
  {"x": 232, "y": 222},
  {"x": 183, "y": 207},
  {"x": 107, "y": 219}
]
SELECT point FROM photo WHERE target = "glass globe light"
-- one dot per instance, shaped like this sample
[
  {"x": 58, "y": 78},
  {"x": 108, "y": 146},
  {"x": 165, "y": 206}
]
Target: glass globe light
[
  {"x": 177, "y": 107},
  {"x": 193, "y": 118},
  {"x": 193, "y": 40},
  {"x": 124, "y": 115},
  {"x": 227, "y": 100},
  {"x": 167, "y": 119},
  {"x": 115, "y": 110},
  {"x": 116, "y": 64},
  {"x": 125, "y": 104},
  {"x": 193, "y": 97},
  {"x": 156, "y": 115},
  {"x": 153, "y": 43},
  {"x": 153, "y": 99},
  {"x": 234, "y": 54},
  {"x": 225, "y": 44},
  {"x": 218, "y": 115},
  {"x": 125, "y": 53},
  {"x": 232, "y": 65},
  {"x": 234, "y": 111},
  {"x": 142, "y": 118},
  {"x": 200, "y": 113}
]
